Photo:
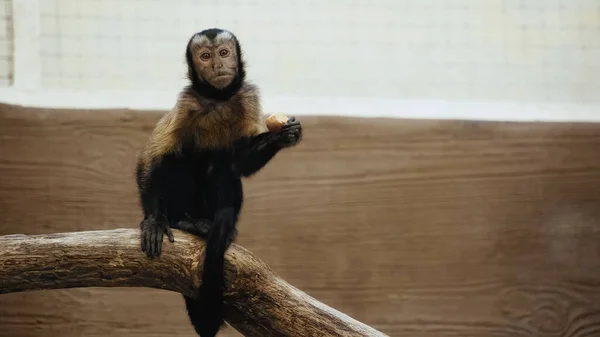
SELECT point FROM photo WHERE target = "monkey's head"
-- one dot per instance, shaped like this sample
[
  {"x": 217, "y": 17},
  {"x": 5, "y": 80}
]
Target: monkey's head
[{"x": 215, "y": 64}]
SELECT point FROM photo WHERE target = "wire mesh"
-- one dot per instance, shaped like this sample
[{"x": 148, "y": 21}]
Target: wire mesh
[{"x": 518, "y": 50}]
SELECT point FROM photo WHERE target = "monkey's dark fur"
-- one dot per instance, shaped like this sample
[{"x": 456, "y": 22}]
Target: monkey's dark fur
[{"x": 189, "y": 173}]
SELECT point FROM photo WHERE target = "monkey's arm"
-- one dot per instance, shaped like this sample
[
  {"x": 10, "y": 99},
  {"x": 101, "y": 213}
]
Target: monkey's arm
[
  {"x": 155, "y": 224},
  {"x": 252, "y": 154}
]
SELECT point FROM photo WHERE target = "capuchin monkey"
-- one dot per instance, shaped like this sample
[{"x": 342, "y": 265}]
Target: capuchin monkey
[{"x": 189, "y": 172}]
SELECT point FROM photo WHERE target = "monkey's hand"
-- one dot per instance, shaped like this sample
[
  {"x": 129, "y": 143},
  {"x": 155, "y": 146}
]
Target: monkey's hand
[
  {"x": 290, "y": 133},
  {"x": 152, "y": 236}
]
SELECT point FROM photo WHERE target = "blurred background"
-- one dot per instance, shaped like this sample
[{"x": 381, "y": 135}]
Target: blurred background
[
  {"x": 447, "y": 185},
  {"x": 320, "y": 55}
]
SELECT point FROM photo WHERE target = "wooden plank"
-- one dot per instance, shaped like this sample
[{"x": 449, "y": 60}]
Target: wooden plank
[{"x": 418, "y": 228}]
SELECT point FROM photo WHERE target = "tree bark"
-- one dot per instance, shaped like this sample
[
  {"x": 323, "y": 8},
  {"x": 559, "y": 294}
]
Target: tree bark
[{"x": 258, "y": 302}]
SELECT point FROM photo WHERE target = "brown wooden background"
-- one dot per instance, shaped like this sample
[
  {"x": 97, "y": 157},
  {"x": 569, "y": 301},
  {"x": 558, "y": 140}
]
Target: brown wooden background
[{"x": 418, "y": 228}]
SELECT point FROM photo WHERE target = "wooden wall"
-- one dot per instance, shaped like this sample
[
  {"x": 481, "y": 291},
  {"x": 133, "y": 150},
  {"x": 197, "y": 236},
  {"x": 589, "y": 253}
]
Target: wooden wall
[{"x": 418, "y": 228}]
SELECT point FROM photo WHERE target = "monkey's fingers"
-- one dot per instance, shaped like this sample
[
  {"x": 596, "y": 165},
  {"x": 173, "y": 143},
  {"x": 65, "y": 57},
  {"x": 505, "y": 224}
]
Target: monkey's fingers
[
  {"x": 153, "y": 245},
  {"x": 294, "y": 131},
  {"x": 289, "y": 125},
  {"x": 159, "y": 240},
  {"x": 147, "y": 243},
  {"x": 143, "y": 241},
  {"x": 170, "y": 234},
  {"x": 294, "y": 128}
]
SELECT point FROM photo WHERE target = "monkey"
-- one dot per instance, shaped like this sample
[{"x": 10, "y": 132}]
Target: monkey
[{"x": 189, "y": 173}]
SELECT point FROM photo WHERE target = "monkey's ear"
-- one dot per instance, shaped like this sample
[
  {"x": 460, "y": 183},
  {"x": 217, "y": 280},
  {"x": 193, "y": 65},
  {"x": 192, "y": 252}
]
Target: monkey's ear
[
  {"x": 193, "y": 74},
  {"x": 190, "y": 72}
]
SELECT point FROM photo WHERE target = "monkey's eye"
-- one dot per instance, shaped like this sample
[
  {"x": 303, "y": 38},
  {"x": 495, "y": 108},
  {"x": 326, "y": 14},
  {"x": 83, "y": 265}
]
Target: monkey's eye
[
  {"x": 205, "y": 56},
  {"x": 224, "y": 52}
]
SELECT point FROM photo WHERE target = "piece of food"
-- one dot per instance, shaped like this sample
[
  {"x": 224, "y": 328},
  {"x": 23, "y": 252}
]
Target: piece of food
[{"x": 276, "y": 121}]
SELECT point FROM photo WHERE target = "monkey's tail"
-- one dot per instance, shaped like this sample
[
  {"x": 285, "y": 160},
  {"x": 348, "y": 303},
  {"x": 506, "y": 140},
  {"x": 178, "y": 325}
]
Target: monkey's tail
[{"x": 206, "y": 313}]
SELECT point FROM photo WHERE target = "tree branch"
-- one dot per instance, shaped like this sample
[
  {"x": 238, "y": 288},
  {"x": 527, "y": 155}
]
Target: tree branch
[{"x": 258, "y": 301}]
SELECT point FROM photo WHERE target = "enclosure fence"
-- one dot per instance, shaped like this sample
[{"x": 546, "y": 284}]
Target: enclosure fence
[{"x": 508, "y": 59}]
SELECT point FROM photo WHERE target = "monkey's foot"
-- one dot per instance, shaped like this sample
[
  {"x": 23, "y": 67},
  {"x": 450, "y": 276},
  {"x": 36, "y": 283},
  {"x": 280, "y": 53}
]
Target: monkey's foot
[
  {"x": 152, "y": 236},
  {"x": 199, "y": 227}
]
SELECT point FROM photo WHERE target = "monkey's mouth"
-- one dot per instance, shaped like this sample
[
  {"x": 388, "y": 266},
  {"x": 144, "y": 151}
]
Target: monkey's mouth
[
  {"x": 222, "y": 77},
  {"x": 221, "y": 80}
]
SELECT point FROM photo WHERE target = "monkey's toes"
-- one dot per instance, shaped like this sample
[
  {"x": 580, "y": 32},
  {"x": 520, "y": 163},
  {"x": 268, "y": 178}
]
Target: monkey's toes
[
  {"x": 170, "y": 234},
  {"x": 203, "y": 228}
]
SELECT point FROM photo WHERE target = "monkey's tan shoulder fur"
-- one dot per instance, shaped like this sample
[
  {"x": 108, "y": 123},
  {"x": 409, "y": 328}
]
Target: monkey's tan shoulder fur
[{"x": 211, "y": 124}]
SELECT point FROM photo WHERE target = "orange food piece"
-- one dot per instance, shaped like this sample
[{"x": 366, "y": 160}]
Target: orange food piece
[{"x": 276, "y": 121}]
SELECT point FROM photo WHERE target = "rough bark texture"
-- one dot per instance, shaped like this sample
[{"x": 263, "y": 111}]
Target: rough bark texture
[{"x": 259, "y": 302}]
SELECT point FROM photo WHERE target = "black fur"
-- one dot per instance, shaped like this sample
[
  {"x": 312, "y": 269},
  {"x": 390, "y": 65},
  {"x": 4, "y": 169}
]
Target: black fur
[{"x": 200, "y": 191}]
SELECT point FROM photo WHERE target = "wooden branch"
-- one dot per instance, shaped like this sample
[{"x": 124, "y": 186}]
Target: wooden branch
[{"x": 258, "y": 301}]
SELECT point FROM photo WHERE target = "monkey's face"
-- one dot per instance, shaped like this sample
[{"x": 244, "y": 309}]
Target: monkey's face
[{"x": 215, "y": 61}]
